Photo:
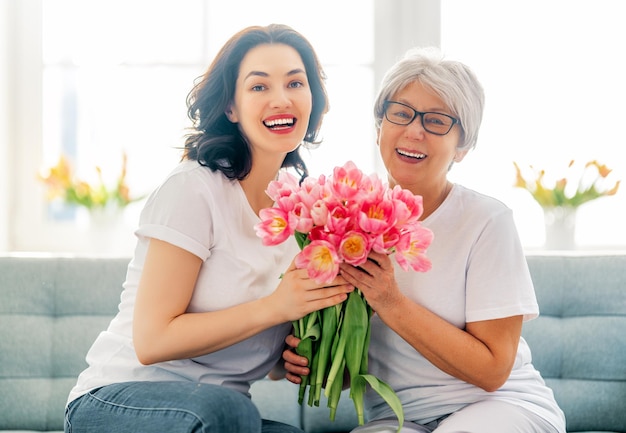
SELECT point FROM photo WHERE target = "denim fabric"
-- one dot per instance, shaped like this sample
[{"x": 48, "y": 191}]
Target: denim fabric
[{"x": 168, "y": 407}]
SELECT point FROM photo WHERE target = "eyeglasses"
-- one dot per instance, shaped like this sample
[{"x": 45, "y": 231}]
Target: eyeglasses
[{"x": 402, "y": 114}]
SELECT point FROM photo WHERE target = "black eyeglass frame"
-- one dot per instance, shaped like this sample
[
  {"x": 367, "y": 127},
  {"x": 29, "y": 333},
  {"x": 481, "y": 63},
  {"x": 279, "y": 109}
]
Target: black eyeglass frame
[{"x": 421, "y": 115}]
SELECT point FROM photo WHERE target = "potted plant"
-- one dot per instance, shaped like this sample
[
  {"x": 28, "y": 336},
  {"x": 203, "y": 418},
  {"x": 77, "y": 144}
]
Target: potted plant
[
  {"x": 100, "y": 200},
  {"x": 561, "y": 198}
]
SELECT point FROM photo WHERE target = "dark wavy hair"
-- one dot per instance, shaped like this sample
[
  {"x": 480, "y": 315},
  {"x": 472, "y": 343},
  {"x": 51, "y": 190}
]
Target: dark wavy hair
[{"x": 217, "y": 143}]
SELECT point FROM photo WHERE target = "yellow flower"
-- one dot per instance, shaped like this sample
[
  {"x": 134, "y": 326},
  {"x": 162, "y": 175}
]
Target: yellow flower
[
  {"x": 62, "y": 183},
  {"x": 591, "y": 183}
]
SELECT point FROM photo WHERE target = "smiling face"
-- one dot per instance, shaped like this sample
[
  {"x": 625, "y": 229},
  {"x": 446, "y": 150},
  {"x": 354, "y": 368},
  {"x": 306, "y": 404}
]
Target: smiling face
[
  {"x": 273, "y": 101},
  {"x": 415, "y": 159}
]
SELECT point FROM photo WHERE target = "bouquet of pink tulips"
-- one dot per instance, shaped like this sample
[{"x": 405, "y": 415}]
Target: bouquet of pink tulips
[{"x": 341, "y": 219}]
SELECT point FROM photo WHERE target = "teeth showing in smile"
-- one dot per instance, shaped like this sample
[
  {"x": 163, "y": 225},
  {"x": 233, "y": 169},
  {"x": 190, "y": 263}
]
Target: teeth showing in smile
[
  {"x": 411, "y": 154},
  {"x": 279, "y": 122}
]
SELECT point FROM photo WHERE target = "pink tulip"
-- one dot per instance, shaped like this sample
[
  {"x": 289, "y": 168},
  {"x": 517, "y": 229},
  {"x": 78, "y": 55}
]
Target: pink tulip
[
  {"x": 313, "y": 187},
  {"x": 340, "y": 218},
  {"x": 354, "y": 247},
  {"x": 276, "y": 226},
  {"x": 319, "y": 213},
  {"x": 385, "y": 242},
  {"x": 408, "y": 206},
  {"x": 411, "y": 249},
  {"x": 372, "y": 188},
  {"x": 321, "y": 261},
  {"x": 320, "y": 234},
  {"x": 377, "y": 217},
  {"x": 302, "y": 214},
  {"x": 346, "y": 181},
  {"x": 284, "y": 186}
]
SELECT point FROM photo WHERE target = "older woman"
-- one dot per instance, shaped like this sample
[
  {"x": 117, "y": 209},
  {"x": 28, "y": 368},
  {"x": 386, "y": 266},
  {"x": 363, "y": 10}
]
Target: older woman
[{"x": 449, "y": 340}]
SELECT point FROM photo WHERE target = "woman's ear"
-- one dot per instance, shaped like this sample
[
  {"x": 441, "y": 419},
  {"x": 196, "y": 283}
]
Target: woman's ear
[
  {"x": 459, "y": 155},
  {"x": 230, "y": 114}
]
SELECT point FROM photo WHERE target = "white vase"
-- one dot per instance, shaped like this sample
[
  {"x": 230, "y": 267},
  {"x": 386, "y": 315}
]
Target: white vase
[
  {"x": 107, "y": 230},
  {"x": 105, "y": 216},
  {"x": 560, "y": 226}
]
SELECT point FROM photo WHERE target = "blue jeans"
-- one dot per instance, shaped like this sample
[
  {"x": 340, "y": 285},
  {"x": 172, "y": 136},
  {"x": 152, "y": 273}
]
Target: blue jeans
[{"x": 168, "y": 407}]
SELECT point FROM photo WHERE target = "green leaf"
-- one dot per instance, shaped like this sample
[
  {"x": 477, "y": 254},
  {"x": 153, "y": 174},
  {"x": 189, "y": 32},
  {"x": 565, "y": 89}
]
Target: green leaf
[
  {"x": 313, "y": 386},
  {"x": 297, "y": 328},
  {"x": 305, "y": 348},
  {"x": 366, "y": 345},
  {"x": 386, "y": 392},
  {"x": 333, "y": 390},
  {"x": 312, "y": 330},
  {"x": 355, "y": 324},
  {"x": 329, "y": 330},
  {"x": 357, "y": 390},
  {"x": 302, "y": 239},
  {"x": 337, "y": 366}
]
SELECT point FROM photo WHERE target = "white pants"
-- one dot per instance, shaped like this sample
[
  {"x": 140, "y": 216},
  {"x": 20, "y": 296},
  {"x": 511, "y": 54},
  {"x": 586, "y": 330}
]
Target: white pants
[{"x": 488, "y": 416}]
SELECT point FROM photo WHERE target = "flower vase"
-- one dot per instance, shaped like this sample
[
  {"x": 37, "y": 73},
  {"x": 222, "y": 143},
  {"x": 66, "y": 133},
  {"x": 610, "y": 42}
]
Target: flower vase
[
  {"x": 560, "y": 226},
  {"x": 107, "y": 230}
]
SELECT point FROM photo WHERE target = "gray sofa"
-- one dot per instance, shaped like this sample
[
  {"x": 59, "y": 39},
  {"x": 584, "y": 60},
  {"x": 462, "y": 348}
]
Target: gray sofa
[{"x": 52, "y": 308}]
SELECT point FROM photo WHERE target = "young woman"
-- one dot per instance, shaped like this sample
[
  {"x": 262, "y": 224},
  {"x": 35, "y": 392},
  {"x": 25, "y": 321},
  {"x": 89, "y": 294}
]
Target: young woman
[
  {"x": 204, "y": 311},
  {"x": 448, "y": 341}
]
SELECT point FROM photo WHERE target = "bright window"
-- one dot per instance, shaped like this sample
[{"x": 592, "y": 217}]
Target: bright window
[
  {"x": 116, "y": 74},
  {"x": 116, "y": 79},
  {"x": 553, "y": 73}
]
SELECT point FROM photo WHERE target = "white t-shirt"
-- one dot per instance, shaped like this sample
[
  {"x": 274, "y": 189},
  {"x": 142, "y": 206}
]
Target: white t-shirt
[
  {"x": 479, "y": 272},
  {"x": 207, "y": 214}
]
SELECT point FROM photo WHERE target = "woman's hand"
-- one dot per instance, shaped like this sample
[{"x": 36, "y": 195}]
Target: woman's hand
[
  {"x": 376, "y": 280},
  {"x": 298, "y": 295},
  {"x": 295, "y": 365}
]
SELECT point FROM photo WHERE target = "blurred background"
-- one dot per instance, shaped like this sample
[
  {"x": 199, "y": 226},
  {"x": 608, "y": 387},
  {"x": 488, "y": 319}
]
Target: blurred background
[{"x": 100, "y": 81}]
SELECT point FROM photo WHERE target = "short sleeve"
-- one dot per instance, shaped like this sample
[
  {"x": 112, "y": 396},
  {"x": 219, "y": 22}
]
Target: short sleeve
[
  {"x": 498, "y": 280},
  {"x": 180, "y": 212}
]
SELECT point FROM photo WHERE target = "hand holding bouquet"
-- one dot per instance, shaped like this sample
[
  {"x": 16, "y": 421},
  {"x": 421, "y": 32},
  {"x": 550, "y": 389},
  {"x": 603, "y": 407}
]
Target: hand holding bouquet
[{"x": 341, "y": 219}]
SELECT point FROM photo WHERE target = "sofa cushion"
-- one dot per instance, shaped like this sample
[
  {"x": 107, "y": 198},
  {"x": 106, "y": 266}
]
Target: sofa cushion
[
  {"x": 50, "y": 315},
  {"x": 579, "y": 340}
]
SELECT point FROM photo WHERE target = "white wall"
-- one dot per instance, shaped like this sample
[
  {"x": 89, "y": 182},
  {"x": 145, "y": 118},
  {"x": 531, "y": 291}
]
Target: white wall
[
  {"x": 25, "y": 153},
  {"x": 7, "y": 79}
]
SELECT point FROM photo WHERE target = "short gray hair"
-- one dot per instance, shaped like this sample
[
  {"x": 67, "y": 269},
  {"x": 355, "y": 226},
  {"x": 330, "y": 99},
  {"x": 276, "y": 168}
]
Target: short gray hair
[{"x": 454, "y": 82}]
